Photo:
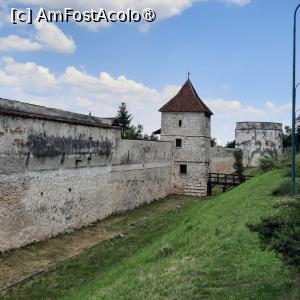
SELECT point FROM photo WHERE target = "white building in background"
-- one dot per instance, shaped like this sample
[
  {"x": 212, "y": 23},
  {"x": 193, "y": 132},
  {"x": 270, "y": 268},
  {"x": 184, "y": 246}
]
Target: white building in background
[{"x": 259, "y": 138}]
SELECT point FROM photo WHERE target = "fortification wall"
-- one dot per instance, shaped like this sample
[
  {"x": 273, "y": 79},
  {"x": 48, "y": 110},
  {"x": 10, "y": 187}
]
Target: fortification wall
[
  {"x": 141, "y": 172},
  {"x": 259, "y": 138},
  {"x": 61, "y": 172},
  {"x": 222, "y": 159}
]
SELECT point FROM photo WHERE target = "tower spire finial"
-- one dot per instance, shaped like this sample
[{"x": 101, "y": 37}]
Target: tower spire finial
[{"x": 189, "y": 73}]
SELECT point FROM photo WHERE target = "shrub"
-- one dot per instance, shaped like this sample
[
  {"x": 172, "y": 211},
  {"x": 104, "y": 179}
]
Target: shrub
[
  {"x": 238, "y": 164},
  {"x": 272, "y": 161},
  {"x": 284, "y": 188},
  {"x": 288, "y": 164},
  {"x": 281, "y": 233},
  {"x": 231, "y": 144}
]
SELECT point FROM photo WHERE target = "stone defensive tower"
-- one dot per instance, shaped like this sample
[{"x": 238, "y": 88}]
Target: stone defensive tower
[
  {"x": 259, "y": 138},
  {"x": 185, "y": 120}
]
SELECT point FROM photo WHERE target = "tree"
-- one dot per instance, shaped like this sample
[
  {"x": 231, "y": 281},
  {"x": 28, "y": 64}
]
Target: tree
[
  {"x": 238, "y": 164},
  {"x": 213, "y": 142},
  {"x": 124, "y": 118},
  {"x": 153, "y": 137},
  {"x": 287, "y": 137},
  {"x": 134, "y": 133},
  {"x": 128, "y": 131},
  {"x": 230, "y": 144}
]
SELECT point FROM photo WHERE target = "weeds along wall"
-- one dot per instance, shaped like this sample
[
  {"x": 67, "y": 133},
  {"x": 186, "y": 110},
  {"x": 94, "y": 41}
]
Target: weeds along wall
[{"x": 60, "y": 171}]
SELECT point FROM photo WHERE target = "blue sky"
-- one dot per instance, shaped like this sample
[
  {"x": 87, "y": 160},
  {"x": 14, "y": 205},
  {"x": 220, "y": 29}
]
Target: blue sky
[{"x": 239, "y": 54}]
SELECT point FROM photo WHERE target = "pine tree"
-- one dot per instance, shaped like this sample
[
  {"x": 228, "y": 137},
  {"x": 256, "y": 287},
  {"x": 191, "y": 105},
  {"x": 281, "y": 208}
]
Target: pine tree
[{"x": 124, "y": 118}]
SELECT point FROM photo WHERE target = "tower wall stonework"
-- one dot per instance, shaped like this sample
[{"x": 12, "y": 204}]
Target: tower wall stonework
[
  {"x": 194, "y": 131},
  {"x": 259, "y": 138}
]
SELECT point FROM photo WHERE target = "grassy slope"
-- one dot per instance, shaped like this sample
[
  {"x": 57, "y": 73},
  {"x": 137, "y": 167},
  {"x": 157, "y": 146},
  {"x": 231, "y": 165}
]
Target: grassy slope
[{"x": 208, "y": 253}]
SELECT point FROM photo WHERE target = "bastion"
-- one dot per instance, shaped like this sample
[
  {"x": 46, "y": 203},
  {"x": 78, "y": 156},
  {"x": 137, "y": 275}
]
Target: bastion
[{"x": 259, "y": 138}]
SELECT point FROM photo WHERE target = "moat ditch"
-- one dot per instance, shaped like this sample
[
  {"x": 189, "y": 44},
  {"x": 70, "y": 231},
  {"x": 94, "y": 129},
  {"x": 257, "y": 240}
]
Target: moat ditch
[{"x": 20, "y": 265}]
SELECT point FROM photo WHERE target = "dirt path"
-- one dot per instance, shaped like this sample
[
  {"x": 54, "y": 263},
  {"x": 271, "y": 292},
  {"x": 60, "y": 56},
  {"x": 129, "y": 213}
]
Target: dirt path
[{"x": 20, "y": 264}]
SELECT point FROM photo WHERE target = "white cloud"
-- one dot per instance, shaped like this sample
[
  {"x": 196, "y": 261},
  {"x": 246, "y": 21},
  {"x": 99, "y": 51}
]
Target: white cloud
[
  {"x": 23, "y": 75},
  {"x": 52, "y": 38},
  {"x": 16, "y": 43},
  {"x": 238, "y": 2},
  {"x": 84, "y": 102},
  {"x": 228, "y": 112},
  {"x": 279, "y": 109},
  {"x": 8, "y": 80},
  {"x": 235, "y": 108},
  {"x": 47, "y": 37},
  {"x": 79, "y": 91},
  {"x": 119, "y": 86}
]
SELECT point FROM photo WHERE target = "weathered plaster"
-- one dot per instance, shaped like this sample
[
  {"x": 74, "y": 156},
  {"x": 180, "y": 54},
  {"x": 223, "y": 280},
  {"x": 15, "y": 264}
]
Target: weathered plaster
[
  {"x": 57, "y": 176},
  {"x": 222, "y": 159},
  {"x": 259, "y": 138}
]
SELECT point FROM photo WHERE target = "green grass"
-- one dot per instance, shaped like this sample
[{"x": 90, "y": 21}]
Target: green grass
[{"x": 202, "y": 251}]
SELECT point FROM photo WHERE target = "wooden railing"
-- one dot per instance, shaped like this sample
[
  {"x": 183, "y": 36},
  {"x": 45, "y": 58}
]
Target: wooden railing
[{"x": 226, "y": 180}]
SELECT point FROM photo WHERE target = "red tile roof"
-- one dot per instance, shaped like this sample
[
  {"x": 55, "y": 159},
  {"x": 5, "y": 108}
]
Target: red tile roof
[{"x": 187, "y": 100}]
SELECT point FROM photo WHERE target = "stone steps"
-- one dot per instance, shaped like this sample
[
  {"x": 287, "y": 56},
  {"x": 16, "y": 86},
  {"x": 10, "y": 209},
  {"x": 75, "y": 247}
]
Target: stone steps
[
  {"x": 196, "y": 194},
  {"x": 194, "y": 189}
]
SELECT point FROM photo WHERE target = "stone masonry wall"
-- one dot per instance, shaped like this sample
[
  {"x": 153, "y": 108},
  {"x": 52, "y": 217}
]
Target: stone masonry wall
[
  {"x": 222, "y": 159},
  {"x": 58, "y": 174},
  {"x": 194, "y": 152},
  {"x": 259, "y": 138}
]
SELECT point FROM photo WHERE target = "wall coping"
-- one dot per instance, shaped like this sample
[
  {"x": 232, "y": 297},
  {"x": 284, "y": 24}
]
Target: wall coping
[
  {"x": 258, "y": 125},
  {"x": 32, "y": 111}
]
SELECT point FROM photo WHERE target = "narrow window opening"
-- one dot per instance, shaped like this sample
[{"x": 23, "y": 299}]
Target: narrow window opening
[
  {"x": 183, "y": 169},
  {"x": 180, "y": 123},
  {"x": 178, "y": 143}
]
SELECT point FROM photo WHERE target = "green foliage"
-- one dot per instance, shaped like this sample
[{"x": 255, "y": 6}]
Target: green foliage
[
  {"x": 128, "y": 131},
  {"x": 287, "y": 137},
  {"x": 213, "y": 142},
  {"x": 267, "y": 163},
  {"x": 231, "y": 144},
  {"x": 288, "y": 164},
  {"x": 281, "y": 232},
  {"x": 134, "y": 133},
  {"x": 272, "y": 161},
  {"x": 283, "y": 189},
  {"x": 238, "y": 163},
  {"x": 124, "y": 119}
]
